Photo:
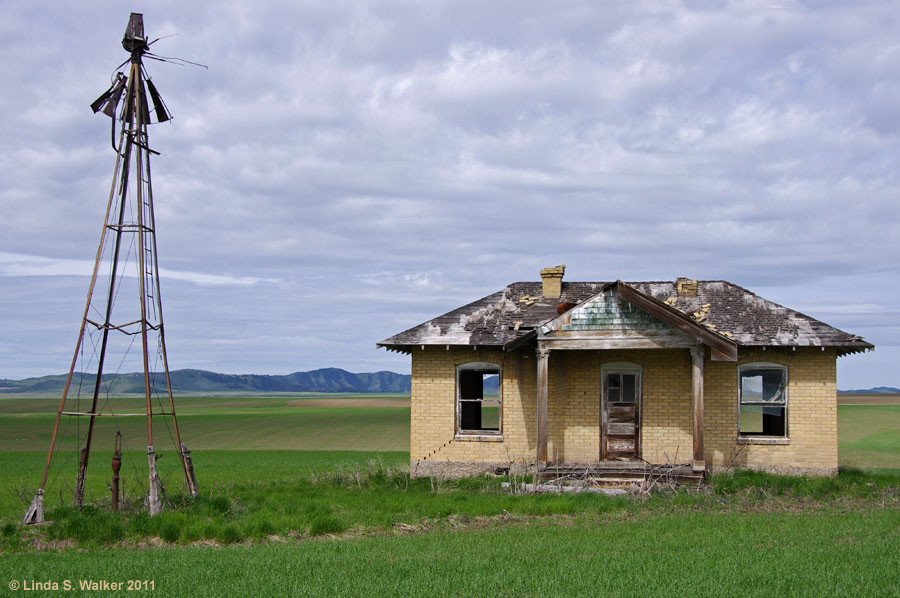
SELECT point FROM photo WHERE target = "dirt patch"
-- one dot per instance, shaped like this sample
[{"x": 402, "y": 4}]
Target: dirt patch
[
  {"x": 380, "y": 402},
  {"x": 873, "y": 399}
]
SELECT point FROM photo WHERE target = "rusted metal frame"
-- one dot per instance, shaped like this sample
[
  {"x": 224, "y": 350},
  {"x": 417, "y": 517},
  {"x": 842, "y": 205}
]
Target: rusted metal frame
[
  {"x": 697, "y": 380},
  {"x": 87, "y": 308},
  {"x": 722, "y": 349},
  {"x": 140, "y": 131},
  {"x": 130, "y": 227},
  {"x": 185, "y": 456},
  {"x": 120, "y": 327},
  {"x": 543, "y": 389},
  {"x": 153, "y": 500},
  {"x": 123, "y": 191}
]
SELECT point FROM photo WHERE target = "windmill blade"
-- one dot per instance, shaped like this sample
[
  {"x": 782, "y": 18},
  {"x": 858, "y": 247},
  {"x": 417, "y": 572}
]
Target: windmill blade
[
  {"x": 162, "y": 113},
  {"x": 110, "y": 108},
  {"x": 99, "y": 102},
  {"x": 109, "y": 100},
  {"x": 145, "y": 108}
]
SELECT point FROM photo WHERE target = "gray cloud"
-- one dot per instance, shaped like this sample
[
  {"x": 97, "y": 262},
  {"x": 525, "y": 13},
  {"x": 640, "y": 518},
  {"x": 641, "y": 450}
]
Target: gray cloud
[{"x": 367, "y": 166}]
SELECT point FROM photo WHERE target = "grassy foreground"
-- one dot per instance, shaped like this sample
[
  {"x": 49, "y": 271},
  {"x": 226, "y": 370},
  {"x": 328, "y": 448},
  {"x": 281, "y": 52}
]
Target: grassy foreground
[{"x": 681, "y": 554}]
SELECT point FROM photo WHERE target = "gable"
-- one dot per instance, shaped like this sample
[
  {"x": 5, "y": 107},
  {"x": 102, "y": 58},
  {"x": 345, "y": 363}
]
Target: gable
[
  {"x": 607, "y": 321},
  {"x": 606, "y": 312}
]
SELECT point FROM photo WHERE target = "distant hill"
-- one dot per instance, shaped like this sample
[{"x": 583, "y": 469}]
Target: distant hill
[
  {"x": 878, "y": 390},
  {"x": 201, "y": 381}
]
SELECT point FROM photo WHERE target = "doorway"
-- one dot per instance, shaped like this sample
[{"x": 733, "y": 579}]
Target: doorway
[{"x": 620, "y": 413}]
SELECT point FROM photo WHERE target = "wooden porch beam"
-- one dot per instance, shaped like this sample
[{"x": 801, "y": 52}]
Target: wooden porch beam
[
  {"x": 697, "y": 354},
  {"x": 543, "y": 387}
]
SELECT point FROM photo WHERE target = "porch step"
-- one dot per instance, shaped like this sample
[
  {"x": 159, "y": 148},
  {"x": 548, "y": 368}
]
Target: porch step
[{"x": 617, "y": 473}]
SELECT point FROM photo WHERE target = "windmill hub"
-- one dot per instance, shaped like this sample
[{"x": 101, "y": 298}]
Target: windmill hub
[{"x": 134, "y": 40}]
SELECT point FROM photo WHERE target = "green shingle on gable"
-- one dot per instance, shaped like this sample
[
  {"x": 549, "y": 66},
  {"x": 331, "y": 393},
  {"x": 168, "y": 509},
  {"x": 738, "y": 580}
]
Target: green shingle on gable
[{"x": 605, "y": 312}]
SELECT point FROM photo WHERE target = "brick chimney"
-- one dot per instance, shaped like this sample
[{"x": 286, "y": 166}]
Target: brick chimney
[
  {"x": 551, "y": 279},
  {"x": 686, "y": 287}
]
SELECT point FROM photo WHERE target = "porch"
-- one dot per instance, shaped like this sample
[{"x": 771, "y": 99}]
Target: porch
[{"x": 623, "y": 337}]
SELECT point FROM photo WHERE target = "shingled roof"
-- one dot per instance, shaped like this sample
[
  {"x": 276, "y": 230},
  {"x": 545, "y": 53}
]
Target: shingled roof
[{"x": 510, "y": 317}]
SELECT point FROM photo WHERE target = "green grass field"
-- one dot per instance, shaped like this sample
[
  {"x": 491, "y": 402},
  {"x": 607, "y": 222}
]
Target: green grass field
[
  {"x": 682, "y": 554},
  {"x": 869, "y": 436},
  {"x": 291, "y": 422},
  {"x": 267, "y": 515}
]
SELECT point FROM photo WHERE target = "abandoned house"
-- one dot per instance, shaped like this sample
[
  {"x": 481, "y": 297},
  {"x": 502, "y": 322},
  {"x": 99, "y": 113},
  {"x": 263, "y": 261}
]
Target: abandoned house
[{"x": 691, "y": 373}]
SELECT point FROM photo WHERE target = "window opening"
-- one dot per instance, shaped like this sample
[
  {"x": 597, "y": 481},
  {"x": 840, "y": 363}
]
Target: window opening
[
  {"x": 763, "y": 400},
  {"x": 478, "y": 399},
  {"x": 621, "y": 388}
]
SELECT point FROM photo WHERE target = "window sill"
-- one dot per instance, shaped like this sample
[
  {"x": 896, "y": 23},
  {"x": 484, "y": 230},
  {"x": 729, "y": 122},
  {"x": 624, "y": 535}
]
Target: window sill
[
  {"x": 478, "y": 438},
  {"x": 763, "y": 440}
]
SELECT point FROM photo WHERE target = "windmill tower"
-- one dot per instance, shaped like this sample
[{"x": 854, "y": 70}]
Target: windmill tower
[{"x": 123, "y": 307}]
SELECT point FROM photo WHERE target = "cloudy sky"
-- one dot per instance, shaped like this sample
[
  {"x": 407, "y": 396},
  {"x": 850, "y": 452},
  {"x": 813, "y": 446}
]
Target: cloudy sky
[{"x": 346, "y": 169}]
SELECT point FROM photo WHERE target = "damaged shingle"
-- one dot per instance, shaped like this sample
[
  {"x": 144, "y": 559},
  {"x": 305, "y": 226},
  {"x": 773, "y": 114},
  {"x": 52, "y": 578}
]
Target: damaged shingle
[{"x": 730, "y": 310}]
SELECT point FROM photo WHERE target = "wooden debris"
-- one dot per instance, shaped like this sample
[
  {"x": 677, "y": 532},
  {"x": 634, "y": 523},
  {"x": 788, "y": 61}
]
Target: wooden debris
[
  {"x": 701, "y": 313},
  {"x": 558, "y": 488}
]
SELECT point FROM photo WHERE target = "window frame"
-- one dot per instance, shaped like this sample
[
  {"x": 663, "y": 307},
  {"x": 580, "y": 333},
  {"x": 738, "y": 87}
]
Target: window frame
[
  {"x": 785, "y": 402},
  {"x": 475, "y": 366},
  {"x": 622, "y": 367}
]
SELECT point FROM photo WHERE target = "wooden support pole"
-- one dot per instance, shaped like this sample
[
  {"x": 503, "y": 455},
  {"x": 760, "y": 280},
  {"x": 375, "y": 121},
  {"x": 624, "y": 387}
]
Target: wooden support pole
[
  {"x": 154, "y": 500},
  {"x": 542, "y": 393},
  {"x": 697, "y": 355}
]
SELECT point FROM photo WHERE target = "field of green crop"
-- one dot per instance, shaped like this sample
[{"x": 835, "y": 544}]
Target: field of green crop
[
  {"x": 279, "y": 517},
  {"x": 869, "y": 436},
  {"x": 295, "y": 422}
]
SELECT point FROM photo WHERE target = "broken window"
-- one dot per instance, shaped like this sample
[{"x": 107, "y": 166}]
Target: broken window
[
  {"x": 762, "y": 389},
  {"x": 621, "y": 388},
  {"x": 478, "y": 402}
]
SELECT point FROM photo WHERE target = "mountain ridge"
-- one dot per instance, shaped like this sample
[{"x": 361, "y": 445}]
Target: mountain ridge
[
  {"x": 320, "y": 380},
  {"x": 193, "y": 380}
]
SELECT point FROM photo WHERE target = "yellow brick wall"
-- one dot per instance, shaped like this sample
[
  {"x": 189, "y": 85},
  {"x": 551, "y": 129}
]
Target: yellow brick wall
[
  {"x": 666, "y": 430},
  {"x": 812, "y": 413},
  {"x": 667, "y": 435},
  {"x": 433, "y": 406}
]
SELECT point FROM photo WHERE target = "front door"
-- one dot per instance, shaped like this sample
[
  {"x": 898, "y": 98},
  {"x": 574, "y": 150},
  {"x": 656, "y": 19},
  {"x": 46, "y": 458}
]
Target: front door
[{"x": 621, "y": 416}]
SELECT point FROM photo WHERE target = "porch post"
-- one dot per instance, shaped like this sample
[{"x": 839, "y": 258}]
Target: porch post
[
  {"x": 697, "y": 354},
  {"x": 542, "y": 392}
]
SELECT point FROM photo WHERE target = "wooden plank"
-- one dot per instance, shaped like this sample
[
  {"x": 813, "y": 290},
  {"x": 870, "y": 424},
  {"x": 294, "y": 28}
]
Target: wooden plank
[
  {"x": 620, "y": 444},
  {"x": 697, "y": 354},
  {"x": 623, "y": 428},
  {"x": 623, "y": 342},
  {"x": 542, "y": 392},
  {"x": 604, "y": 419},
  {"x": 620, "y": 412},
  {"x": 649, "y": 333}
]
